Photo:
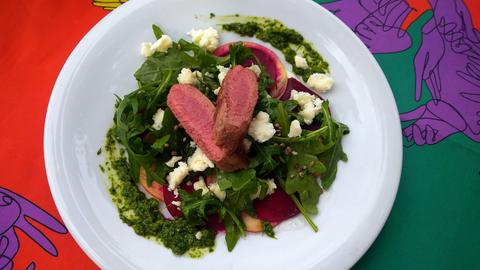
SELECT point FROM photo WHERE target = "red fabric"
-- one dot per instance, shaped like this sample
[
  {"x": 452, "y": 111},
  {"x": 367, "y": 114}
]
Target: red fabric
[{"x": 36, "y": 38}]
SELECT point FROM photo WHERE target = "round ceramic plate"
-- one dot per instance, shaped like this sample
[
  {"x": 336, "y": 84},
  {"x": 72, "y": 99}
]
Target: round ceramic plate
[{"x": 351, "y": 213}]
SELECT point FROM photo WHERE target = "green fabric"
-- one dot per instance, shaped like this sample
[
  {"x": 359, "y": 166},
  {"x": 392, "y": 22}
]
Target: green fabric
[{"x": 435, "y": 221}]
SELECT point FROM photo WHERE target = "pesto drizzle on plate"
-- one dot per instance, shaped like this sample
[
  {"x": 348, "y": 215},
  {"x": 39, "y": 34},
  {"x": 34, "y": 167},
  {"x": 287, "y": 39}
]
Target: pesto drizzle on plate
[
  {"x": 143, "y": 214},
  {"x": 287, "y": 40}
]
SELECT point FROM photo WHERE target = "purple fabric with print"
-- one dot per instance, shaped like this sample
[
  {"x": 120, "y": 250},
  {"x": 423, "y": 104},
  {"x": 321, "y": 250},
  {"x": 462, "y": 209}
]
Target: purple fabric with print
[{"x": 14, "y": 210}]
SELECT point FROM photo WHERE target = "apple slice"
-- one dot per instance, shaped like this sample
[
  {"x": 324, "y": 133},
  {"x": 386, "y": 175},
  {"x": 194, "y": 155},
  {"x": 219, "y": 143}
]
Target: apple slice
[
  {"x": 268, "y": 59},
  {"x": 156, "y": 190}
]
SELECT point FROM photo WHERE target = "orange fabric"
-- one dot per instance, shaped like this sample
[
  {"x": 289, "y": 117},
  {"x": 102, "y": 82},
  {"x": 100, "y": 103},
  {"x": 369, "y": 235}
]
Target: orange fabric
[
  {"x": 421, "y": 6},
  {"x": 36, "y": 38}
]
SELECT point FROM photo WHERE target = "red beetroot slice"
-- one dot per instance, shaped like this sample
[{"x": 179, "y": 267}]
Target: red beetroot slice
[
  {"x": 169, "y": 197},
  {"x": 215, "y": 223},
  {"x": 276, "y": 207},
  {"x": 294, "y": 84}
]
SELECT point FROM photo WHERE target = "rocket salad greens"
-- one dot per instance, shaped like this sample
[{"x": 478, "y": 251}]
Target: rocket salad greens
[{"x": 283, "y": 171}]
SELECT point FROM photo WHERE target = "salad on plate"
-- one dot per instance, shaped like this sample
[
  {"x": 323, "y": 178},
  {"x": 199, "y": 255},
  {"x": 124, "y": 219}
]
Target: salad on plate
[{"x": 220, "y": 139}]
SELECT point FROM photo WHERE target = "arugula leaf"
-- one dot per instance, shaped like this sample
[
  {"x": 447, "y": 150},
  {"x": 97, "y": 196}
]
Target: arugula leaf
[
  {"x": 232, "y": 232},
  {"x": 159, "y": 144},
  {"x": 155, "y": 67},
  {"x": 268, "y": 229},
  {"x": 283, "y": 119},
  {"x": 196, "y": 207},
  {"x": 331, "y": 158},
  {"x": 157, "y": 31},
  {"x": 264, "y": 158},
  {"x": 237, "y": 180},
  {"x": 239, "y": 54},
  {"x": 301, "y": 179}
]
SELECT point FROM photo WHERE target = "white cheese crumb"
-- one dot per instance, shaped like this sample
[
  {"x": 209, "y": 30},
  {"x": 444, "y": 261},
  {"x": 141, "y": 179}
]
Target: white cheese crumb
[
  {"x": 198, "y": 235},
  {"x": 215, "y": 188},
  {"x": 256, "y": 69},
  {"x": 175, "y": 177},
  {"x": 301, "y": 97},
  {"x": 216, "y": 91},
  {"x": 295, "y": 129},
  {"x": 223, "y": 72},
  {"x": 192, "y": 144},
  {"x": 199, "y": 162},
  {"x": 158, "y": 119},
  {"x": 171, "y": 162},
  {"x": 261, "y": 129},
  {"x": 177, "y": 203},
  {"x": 320, "y": 82},
  {"x": 205, "y": 38},
  {"x": 146, "y": 49},
  {"x": 310, "y": 105},
  {"x": 246, "y": 144},
  {"x": 271, "y": 186},
  {"x": 186, "y": 76},
  {"x": 162, "y": 44},
  {"x": 175, "y": 192},
  {"x": 200, "y": 184},
  {"x": 301, "y": 62},
  {"x": 294, "y": 153}
]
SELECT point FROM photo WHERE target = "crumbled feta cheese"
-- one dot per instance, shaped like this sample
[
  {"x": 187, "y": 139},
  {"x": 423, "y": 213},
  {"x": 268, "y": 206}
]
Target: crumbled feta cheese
[
  {"x": 171, "y": 162},
  {"x": 320, "y": 82},
  {"x": 186, "y": 76},
  {"x": 177, "y": 203},
  {"x": 205, "y": 38},
  {"x": 271, "y": 186},
  {"x": 200, "y": 184},
  {"x": 158, "y": 119},
  {"x": 146, "y": 49},
  {"x": 301, "y": 62},
  {"x": 308, "y": 112},
  {"x": 295, "y": 129},
  {"x": 261, "y": 129},
  {"x": 256, "y": 69},
  {"x": 310, "y": 105},
  {"x": 199, "y": 162},
  {"x": 301, "y": 98},
  {"x": 246, "y": 144},
  {"x": 192, "y": 144},
  {"x": 223, "y": 72},
  {"x": 294, "y": 153},
  {"x": 198, "y": 235},
  {"x": 175, "y": 177},
  {"x": 216, "y": 91},
  {"x": 175, "y": 192},
  {"x": 162, "y": 44},
  {"x": 215, "y": 188}
]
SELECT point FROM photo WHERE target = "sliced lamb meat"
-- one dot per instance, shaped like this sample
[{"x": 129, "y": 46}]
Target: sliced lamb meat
[
  {"x": 235, "y": 103},
  {"x": 196, "y": 114}
]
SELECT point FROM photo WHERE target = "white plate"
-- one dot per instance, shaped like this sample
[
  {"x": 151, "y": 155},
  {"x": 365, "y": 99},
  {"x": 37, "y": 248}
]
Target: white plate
[{"x": 81, "y": 109}]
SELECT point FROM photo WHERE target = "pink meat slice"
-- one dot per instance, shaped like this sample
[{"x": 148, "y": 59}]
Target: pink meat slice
[
  {"x": 235, "y": 104},
  {"x": 196, "y": 114}
]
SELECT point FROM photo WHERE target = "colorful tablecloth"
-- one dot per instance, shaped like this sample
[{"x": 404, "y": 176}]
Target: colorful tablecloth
[{"x": 429, "y": 50}]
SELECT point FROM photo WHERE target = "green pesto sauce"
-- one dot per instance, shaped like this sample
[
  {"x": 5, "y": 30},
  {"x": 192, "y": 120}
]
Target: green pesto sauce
[
  {"x": 143, "y": 214},
  {"x": 287, "y": 40}
]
